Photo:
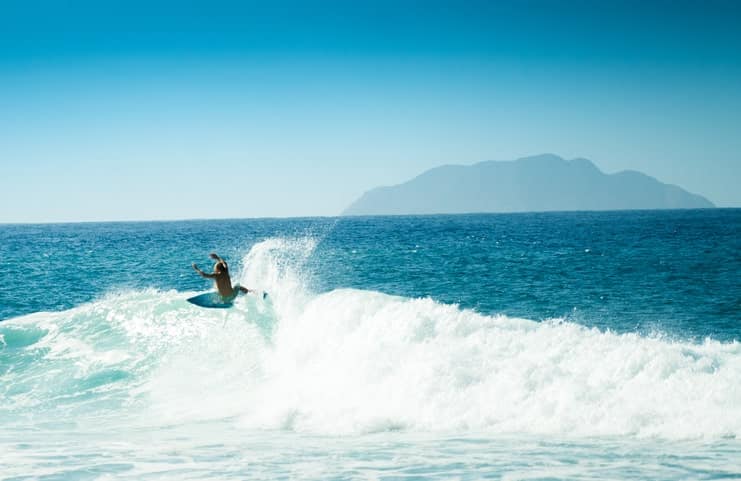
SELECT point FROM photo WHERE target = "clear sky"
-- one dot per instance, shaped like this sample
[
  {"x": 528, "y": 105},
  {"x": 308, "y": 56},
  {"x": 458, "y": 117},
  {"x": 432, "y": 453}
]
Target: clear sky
[{"x": 132, "y": 110}]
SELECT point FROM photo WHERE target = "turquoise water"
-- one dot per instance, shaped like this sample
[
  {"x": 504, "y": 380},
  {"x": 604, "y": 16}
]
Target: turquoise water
[{"x": 525, "y": 346}]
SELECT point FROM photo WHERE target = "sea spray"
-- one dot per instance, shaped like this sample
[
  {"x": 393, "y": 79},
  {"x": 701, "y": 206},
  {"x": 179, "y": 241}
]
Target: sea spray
[{"x": 276, "y": 266}]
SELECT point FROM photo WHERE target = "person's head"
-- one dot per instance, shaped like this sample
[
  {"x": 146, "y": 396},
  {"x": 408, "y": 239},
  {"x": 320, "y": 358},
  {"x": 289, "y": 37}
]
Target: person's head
[{"x": 220, "y": 268}]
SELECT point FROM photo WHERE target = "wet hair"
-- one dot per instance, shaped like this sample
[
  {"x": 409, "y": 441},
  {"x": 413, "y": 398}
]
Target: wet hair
[{"x": 220, "y": 267}]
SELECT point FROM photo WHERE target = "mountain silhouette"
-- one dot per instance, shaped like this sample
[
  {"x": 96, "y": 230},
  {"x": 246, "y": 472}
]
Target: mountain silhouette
[{"x": 539, "y": 183}]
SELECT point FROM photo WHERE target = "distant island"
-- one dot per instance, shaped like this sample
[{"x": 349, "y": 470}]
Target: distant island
[{"x": 539, "y": 183}]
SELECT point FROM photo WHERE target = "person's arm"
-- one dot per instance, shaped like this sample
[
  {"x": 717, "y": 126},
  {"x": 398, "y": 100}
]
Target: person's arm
[
  {"x": 216, "y": 257},
  {"x": 201, "y": 273}
]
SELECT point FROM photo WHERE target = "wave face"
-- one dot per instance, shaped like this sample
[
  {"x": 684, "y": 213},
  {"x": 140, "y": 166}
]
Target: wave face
[{"x": 356, "y": 361}]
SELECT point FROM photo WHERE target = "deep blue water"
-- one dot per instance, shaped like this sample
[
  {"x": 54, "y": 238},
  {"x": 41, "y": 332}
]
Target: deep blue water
[{"x": 675, "y": 272}]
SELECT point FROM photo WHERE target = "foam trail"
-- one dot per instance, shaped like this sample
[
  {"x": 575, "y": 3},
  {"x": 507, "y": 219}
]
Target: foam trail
[{"x": 351, "y": 361}]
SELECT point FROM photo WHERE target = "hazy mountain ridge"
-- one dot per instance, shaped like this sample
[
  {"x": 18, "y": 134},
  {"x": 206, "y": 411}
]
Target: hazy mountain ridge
[{"x": 538, "y": 183}]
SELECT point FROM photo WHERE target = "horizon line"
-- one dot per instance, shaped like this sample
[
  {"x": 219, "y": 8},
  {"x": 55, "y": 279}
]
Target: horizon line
[{"x": 352, "y": 216}]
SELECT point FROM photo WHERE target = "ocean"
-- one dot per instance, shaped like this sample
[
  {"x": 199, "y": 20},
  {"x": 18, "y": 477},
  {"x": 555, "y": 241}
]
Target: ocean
[{"x": 580, "y": 345}]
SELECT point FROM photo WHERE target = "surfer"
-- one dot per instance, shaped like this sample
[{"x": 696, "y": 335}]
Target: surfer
[{"x": 221, "y": 278}]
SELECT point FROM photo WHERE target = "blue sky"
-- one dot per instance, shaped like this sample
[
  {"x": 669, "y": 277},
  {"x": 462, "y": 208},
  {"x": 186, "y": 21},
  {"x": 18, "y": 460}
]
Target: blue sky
[{"x": 172, "y": 110}]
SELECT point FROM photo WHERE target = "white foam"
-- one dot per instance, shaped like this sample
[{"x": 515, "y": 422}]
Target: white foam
[{"x": 361, "y": 361}]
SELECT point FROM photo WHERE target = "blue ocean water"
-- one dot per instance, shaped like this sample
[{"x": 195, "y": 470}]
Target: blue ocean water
[{"x": 584, "y": 345}]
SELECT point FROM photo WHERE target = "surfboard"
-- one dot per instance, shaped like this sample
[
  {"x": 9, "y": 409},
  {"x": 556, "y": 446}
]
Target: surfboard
[{"x": 213, "y": 300}]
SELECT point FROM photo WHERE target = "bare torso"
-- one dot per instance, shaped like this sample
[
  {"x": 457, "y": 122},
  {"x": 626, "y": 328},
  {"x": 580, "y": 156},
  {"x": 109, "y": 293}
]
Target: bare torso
[{"x": 224, "y": 284}]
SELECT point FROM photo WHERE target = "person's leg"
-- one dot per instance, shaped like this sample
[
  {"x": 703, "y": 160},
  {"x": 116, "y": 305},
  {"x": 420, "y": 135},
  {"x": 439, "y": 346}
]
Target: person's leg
[{"x": 244, "y": 289}]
